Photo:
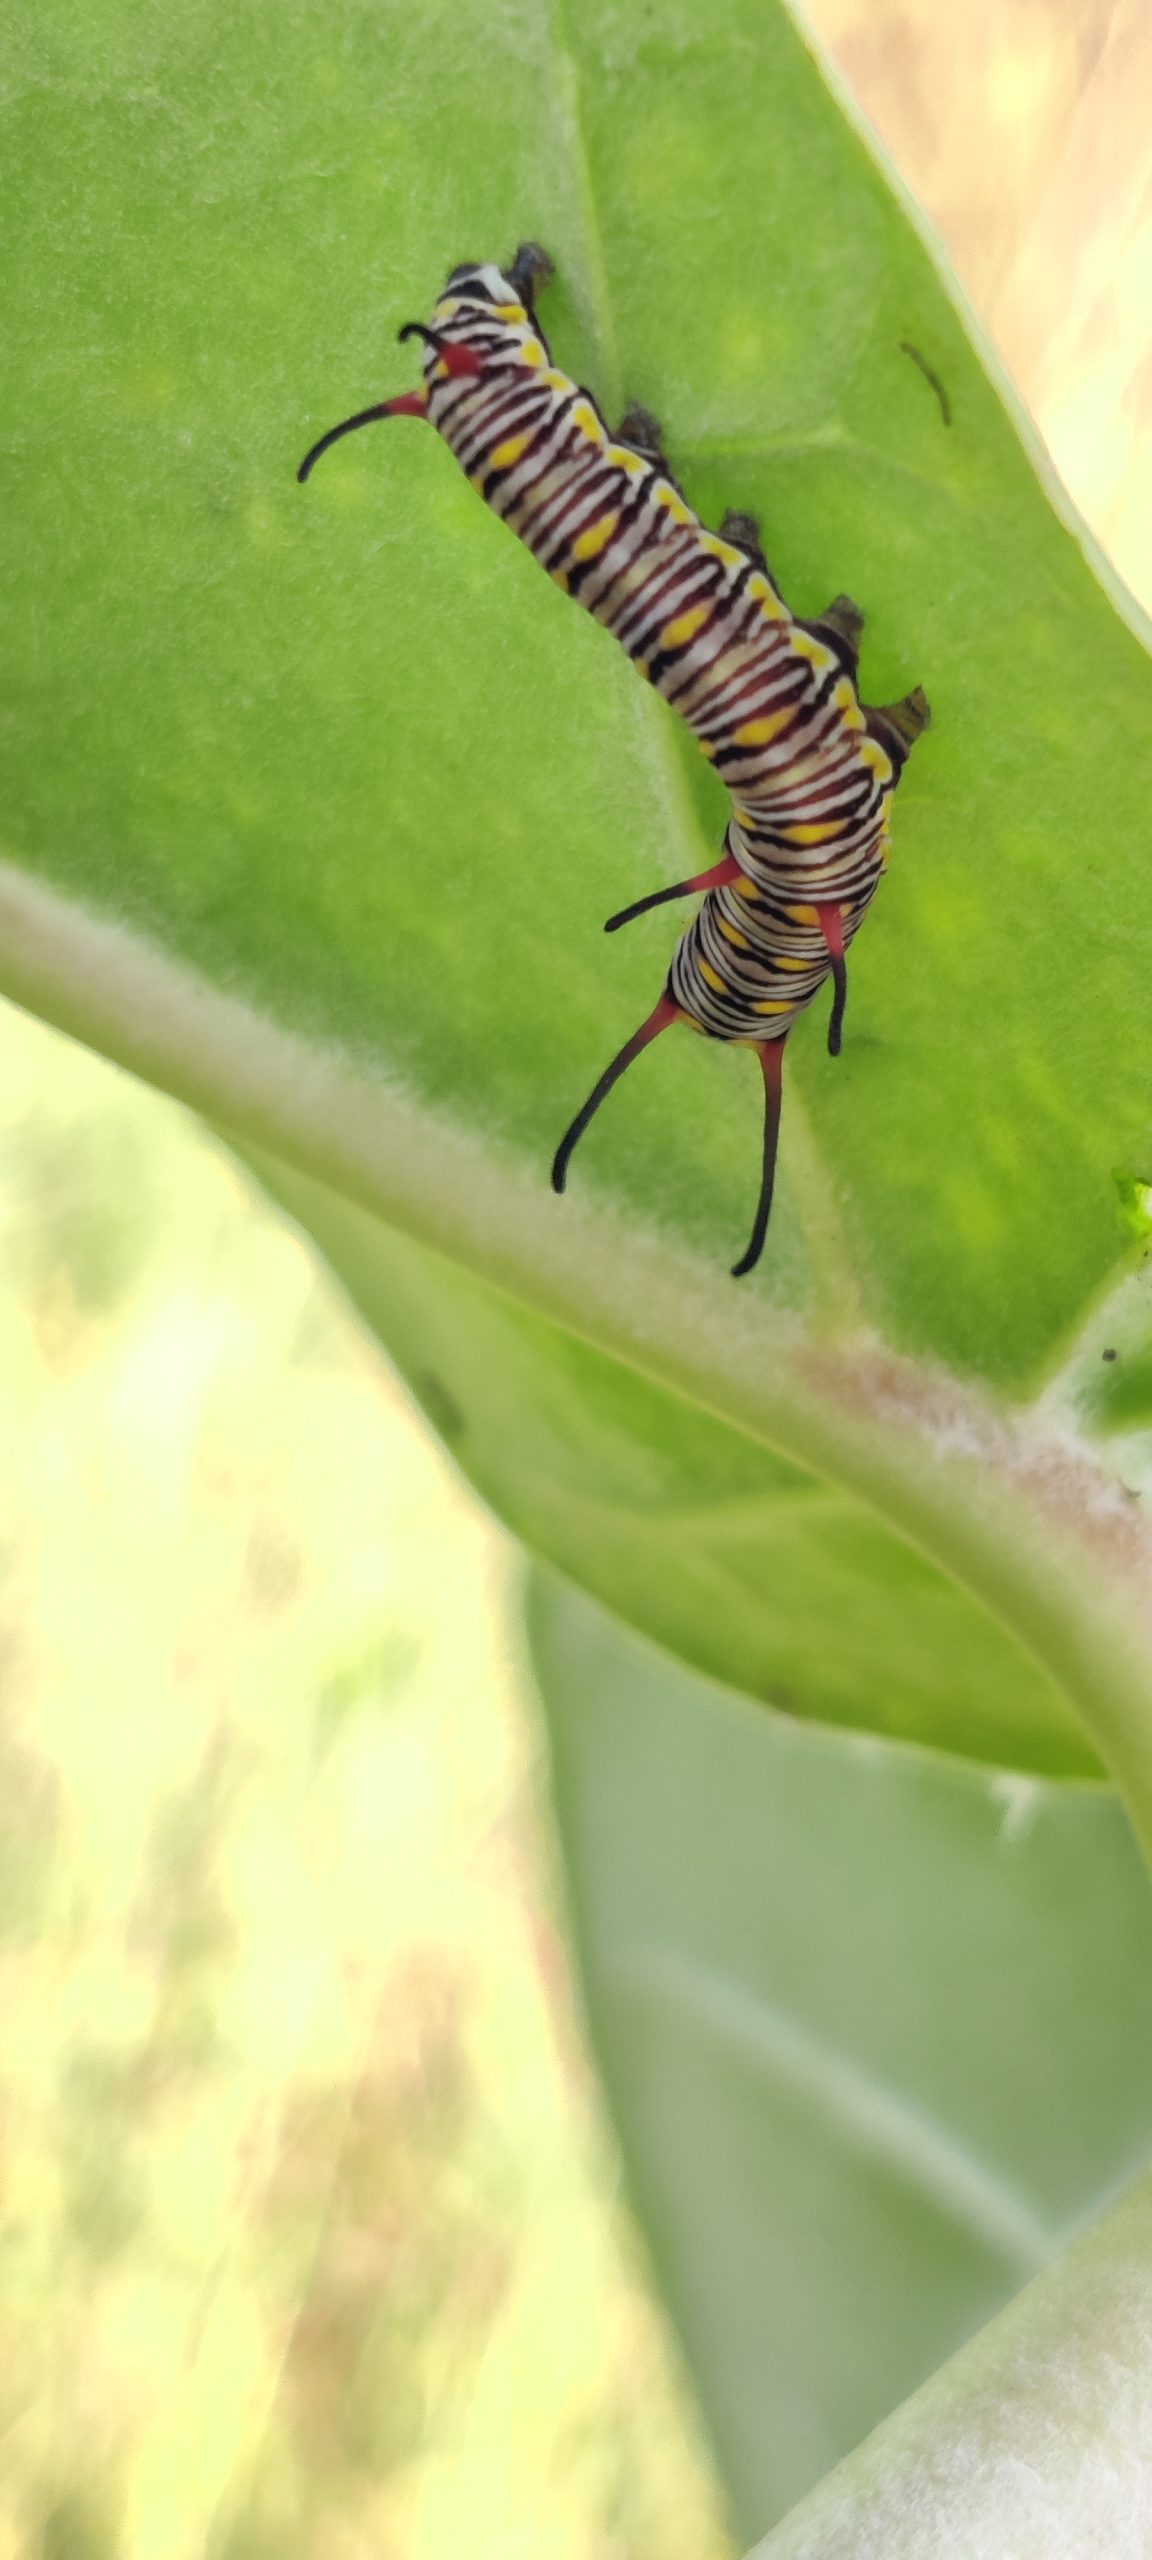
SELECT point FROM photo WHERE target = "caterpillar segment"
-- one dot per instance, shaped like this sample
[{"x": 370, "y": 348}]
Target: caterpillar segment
[{"x": 771, "y": 698}]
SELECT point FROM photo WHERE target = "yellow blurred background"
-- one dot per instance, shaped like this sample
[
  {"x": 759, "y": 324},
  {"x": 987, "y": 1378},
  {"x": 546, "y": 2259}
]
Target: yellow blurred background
[
  {"x": 310, "y": 2230},
  {"x": 309, "y": 2237}
]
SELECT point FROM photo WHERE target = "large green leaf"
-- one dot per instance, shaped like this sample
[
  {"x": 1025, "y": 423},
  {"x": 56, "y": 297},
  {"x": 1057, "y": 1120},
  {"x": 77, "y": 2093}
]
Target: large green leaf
[
  {"x": 752, "y": 1568},
  {"x": 877, "y": 2030},
  {"x": 315, "y": 800}
]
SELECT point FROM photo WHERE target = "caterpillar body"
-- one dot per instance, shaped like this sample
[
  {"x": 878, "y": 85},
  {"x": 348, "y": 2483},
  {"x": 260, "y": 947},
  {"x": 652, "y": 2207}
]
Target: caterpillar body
[{"x": 771, "y": 699}]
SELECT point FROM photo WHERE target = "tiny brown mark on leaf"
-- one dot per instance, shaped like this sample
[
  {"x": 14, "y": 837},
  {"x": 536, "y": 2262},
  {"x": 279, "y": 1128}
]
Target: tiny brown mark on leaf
[{"x": 907, "y": 349}]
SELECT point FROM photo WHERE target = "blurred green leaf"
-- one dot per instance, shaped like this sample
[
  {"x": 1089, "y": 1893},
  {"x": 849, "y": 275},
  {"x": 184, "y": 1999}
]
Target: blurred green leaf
[
  {"x": 876, "y": 2027},
  {"x": 1034, "y": 2439}
]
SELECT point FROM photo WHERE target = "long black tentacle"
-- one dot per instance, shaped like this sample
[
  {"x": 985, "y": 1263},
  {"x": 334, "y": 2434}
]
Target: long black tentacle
[
  {"x": 714, "y": 878},
  {"x": 665, "y": 1012},
  {"x": 416, "y": 329},
  {"x": 659, "y": 898},
  {"x": 363, "y": 418},
  {"x": 839, "y": 1000},
  {"x": 771, "y": 1053}
]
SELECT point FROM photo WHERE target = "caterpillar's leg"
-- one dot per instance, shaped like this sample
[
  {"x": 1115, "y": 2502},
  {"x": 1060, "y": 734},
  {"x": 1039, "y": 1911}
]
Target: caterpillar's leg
[
  {"x": 666, "y": 1012},
  {"x": 643, "y": 434},
  {"x": 530, "y": 271},
  {"x": 831, "y": 921},
  {"x": 721, "y": 873},
  {"x": 840, "y": 625},
  {"x": 744, "y": 531},
  {"x": 771, "y": 1056},
  {"x": 897, "y": 725}
]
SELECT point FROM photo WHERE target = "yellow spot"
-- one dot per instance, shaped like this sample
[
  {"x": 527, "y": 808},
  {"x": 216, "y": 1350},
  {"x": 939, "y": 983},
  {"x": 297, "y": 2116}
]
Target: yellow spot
[
  {"x": 673, "y": 505},
  {"x": 803, "y": 915},
  {"x": 621, "y": 460},
  {"x": 811, "y": 835},
  {"x": 675, "y": 635},
  {"x": 532, "y": 353},
  {"x": 775, "y": 1004},
  {"x": 560, "y": 578},
  {"x": 872, "y": 754},
  {"x": 719, "y": 550},
  {"x": 509, "y": 452},
  {"x": 595, "y": 539},
  {"x": 711, "y": 979},
  {"x": 510, "y": 311},
  {"x": 738, "y": 940},
  {"x": 641, "y": 666},
  {"x": 844, "y": 697},
  {"x": 706, "y": 747},
  {"x": 756, "y": 733},
  {"x": 804, "y": 646},
  {"x": 585, "y": 418},
  {"x": 766, "y": 596},
  {"x": 557, "y": 381},
  {"x": 782, "y": 960},
  {"x": 746, "y": 888}
]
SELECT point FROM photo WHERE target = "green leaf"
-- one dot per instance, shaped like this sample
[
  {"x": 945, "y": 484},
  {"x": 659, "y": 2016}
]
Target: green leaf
[
  {"x": 315, "y": 800},
  {"x": 335, "y": 747},
  {"x": 877, "y": 2031},
  {"x": 751, "y": 1568}
]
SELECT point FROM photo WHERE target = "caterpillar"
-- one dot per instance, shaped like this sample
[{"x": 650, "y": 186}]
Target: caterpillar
[{"x": 770, "y": 698}]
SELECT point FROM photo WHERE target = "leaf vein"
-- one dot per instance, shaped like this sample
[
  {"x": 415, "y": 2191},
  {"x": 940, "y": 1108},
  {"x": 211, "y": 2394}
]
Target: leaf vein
[{"x": 877, "y": 2122}]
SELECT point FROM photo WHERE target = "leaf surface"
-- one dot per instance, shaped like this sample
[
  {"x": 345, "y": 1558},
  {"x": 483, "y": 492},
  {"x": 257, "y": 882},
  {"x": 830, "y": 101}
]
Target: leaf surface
[
  {"x": 876, "y": 2028},
  {"x": 751, "y": 1568}
]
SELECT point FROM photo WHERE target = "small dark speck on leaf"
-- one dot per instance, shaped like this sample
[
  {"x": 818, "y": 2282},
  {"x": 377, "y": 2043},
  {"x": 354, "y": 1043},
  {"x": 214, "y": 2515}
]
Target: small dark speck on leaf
[
  {"x": 907, "y": 349},
  {"x": 1107, "y": 1355}
]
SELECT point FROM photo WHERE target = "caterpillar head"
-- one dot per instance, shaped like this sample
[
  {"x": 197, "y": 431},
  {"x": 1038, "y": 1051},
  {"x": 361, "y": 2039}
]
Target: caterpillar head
[{"x": 486, "y": 285}]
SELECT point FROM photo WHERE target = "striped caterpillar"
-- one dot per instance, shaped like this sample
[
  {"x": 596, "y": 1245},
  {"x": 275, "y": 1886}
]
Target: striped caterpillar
[{"x": 770, "y": 699}]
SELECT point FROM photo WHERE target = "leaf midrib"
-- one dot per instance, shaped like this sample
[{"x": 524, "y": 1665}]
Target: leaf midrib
[
  {"x": 856, "y": 1416},
  {"x": 879, "y": 2123}
]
